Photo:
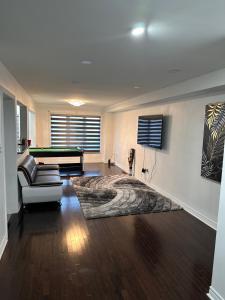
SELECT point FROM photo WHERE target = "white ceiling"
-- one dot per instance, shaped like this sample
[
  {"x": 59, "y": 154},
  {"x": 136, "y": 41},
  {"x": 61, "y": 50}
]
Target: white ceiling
[{"x": 42, "y": 43}]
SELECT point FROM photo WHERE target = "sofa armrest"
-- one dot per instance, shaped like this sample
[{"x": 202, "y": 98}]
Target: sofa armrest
[
  {"x": 22, "y": 178},
  {"x": 38, "y": 194}
]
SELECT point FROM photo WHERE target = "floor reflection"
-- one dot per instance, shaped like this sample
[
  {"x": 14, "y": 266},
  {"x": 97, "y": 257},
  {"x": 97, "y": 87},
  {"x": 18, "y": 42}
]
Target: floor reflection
[
  {"x": 76, "y": 240},
  {"x": 152, "y": 247}
]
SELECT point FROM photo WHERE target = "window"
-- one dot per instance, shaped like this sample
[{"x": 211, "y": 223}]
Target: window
[
  {"x": 76, "y": 131},
  {"x": 18, "y": 130},
  {"x": 32, "y": 128},
  {"x": 21, "y": 122}
]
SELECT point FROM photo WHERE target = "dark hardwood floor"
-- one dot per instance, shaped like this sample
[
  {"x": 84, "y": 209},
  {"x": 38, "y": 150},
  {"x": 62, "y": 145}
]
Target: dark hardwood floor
[{"x": 53, "y": 253}]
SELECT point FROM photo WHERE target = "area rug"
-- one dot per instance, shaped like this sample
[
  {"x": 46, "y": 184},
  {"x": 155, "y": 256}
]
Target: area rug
[{"x": 118, "y": 195}]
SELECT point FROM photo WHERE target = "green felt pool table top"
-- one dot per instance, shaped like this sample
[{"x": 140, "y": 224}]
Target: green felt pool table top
[{"x": 53, "y": 149}]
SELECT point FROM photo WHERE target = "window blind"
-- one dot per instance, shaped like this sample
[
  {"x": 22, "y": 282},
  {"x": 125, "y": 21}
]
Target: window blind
[{"x": 76, "y": 131}]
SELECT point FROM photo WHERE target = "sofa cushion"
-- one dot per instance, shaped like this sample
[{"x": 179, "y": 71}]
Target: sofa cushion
[
  {"x": 47, "y": 167},
  {"x": 47, "y": 172},
  {"x": 47, "y": 180}
]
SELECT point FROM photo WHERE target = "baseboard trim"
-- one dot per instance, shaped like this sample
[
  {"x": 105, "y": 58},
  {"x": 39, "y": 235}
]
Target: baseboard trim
[
  {"x": 211, "y": 223},
  {"x": 214, "y": 295},
  {"x": 3, "y": 245},
  {"x": 187, "y": 208},
  {"x": 121, "y": 167}
]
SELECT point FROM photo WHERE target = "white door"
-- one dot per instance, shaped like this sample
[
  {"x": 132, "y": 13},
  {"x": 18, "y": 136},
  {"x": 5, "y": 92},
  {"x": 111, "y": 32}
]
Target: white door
[{"x": 3, "y": 213}]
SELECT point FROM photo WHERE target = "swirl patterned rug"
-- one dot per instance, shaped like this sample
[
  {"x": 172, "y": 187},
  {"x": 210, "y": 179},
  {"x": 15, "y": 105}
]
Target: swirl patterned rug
[{"x": 118, "y": 195}]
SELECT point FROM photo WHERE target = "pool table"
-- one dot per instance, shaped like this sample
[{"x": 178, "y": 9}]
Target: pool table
[{"x": 60, "y": 152}]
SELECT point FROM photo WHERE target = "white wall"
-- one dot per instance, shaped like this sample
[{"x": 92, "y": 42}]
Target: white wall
[
  {"x": 43, "y": 123},
  {"x": 177, "y": 171},
  {"x": 8, "y": 85},
  {"x": 217, "y": 289}
]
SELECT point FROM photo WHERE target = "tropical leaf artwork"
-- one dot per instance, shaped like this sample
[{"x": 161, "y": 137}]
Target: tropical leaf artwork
[{"x": 213, "y": 141}]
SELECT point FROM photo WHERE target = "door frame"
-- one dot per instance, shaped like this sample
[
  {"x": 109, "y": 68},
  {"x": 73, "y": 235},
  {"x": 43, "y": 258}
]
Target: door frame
[{"x": 4, "y": 238}]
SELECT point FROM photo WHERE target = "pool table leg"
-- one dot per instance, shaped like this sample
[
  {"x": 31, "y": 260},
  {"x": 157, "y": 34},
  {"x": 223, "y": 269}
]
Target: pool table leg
[{"x": 82, "y": 163}]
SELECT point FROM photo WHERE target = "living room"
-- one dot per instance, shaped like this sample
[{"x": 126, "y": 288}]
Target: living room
[{"x": 111, "y": 150}]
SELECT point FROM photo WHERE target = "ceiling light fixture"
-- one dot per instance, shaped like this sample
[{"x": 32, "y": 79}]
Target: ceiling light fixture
[
  {"x": 86, "y": 62},
  {"x": 138, "y": 30},
  {"x": 75, "y": 82},
  {"x": 136, "y": 87},
  {"x": 76, "y": 103},
  {"x": 174, "y": 71}
]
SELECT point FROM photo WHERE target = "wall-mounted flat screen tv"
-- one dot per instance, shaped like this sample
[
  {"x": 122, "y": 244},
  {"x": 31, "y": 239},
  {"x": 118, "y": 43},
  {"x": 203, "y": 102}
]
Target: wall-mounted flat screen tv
[{"x": 150, "y": 131}]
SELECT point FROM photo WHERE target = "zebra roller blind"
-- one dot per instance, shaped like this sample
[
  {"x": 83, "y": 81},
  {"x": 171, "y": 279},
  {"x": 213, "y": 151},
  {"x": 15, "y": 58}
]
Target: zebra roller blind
[{"x": 76, "y": 131}]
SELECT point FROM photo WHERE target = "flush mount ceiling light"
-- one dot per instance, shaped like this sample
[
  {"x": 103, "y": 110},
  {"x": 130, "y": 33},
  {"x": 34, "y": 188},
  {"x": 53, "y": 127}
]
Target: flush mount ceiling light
[
  {"x": 136, "y": 87},
  {"x": 86, "y": 62},
  {"x": 138, "y": 30},
  {"x": 75, "y": 102}
]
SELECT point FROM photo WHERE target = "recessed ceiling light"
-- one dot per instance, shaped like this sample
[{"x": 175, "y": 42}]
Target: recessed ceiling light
[
  {"x": 75, "y": 82},
  {"x": 173, "y": 71},
  {"x": 86, "y": 62},
  {"x": 75, "y": 102},
  {"x": 138, "y": 30},
  {"x": 136, "y": 87}
]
